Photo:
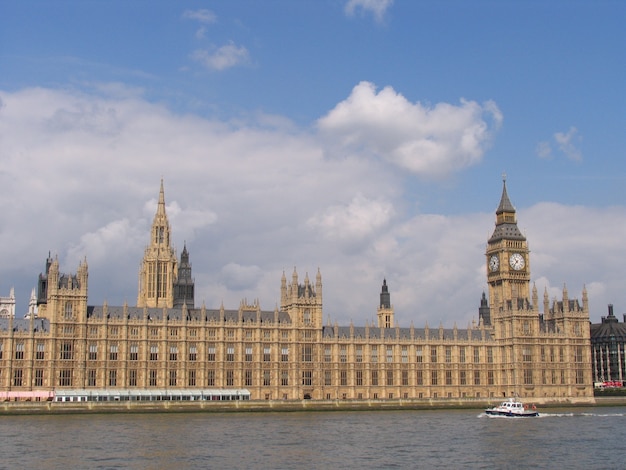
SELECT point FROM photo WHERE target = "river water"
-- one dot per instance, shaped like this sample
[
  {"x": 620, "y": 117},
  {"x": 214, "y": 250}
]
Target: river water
[{"x": 560, "y": 438}]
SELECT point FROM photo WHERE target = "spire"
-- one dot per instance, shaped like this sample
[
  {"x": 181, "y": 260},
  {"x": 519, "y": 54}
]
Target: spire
[
  {"x": 505, "y": 202},
  {"x": 385, "y": 297},
  {"x": 506, "y": 225},
  {"x": 160, "y": 224}
]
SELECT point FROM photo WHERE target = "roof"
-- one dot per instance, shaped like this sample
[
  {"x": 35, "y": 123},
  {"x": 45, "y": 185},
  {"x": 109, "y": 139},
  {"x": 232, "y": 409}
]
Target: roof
[
  {"x": 608, "y": 331},
  {"x": 195, "y": 314},
  {"x": 23, "y": 324},
  {"x": 404, "y": 333}
]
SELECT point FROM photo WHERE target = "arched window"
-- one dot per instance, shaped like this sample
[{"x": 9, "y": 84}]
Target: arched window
[{"x": 68, "y": 310}]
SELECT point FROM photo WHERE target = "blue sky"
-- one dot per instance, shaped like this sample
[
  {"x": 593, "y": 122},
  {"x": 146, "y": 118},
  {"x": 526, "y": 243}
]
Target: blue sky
[{"x": 363, "y": 137}]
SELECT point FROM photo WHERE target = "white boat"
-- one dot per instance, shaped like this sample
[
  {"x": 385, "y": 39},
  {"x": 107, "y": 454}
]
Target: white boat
[{"x": 513, "y": 408}]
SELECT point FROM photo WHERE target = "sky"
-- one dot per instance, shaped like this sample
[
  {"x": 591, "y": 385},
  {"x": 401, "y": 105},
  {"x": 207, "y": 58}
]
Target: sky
[{"x": 364, "y": 138}]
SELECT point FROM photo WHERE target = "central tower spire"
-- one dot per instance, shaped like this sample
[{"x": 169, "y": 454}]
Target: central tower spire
[{"x": 158, "y": 268}]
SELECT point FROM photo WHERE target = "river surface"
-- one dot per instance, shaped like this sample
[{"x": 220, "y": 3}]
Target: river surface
[{"x": 561, "y": 438}]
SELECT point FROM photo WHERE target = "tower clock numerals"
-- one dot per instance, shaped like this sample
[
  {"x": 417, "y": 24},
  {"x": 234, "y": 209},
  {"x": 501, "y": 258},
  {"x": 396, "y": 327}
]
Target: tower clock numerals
[
  {"x": 494, "y": 263},
  {"x": 516, "y": 261}
]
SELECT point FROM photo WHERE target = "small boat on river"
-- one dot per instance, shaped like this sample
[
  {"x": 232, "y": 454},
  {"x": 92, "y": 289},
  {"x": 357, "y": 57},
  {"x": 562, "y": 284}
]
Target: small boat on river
[{"x": 513, "y": 408}]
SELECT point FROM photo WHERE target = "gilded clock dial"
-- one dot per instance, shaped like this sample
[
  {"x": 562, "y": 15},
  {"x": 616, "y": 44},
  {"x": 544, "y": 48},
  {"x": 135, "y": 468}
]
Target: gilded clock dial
[
  {"x": 494, "y": 263},
  {"x": 517, "y": 261}
]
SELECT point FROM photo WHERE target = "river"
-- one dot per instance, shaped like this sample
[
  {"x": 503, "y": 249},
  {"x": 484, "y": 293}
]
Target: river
[{"x": 560, "y": 438}]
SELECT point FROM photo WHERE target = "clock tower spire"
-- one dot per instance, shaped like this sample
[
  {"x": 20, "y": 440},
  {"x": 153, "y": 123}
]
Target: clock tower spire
[{"x": 508, "y": 269}]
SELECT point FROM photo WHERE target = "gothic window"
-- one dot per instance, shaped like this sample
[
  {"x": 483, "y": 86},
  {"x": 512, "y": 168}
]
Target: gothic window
[
  {"x": 172, "y": 378},
  {"x": 17, "y": 378},
  {"x": 448, "y": 354},
  {"x": 528, "y": 377},
  {"x": 134, "y": 352},
  {"x": 328, "y": 378},
  {"x": 173, "y": 353},
  {"x": 419, "y": 358},
  {"x": 420, "y": 377},
  {"x": 19, "y": 351},
  {"x": 307, "y": 316},
  {"x": 462, "y": 354},
  {"x": 433, "y": 355},
  {"x": 65, "y": 378},
  {"x": 112, "y": 378},
  {"x": 343, "y": 377},
  {"x": 192, "y": 378},
  {"x": 390, "y": 378},
  {"x": 343, "y": 353},
  {"x": 38, "y": 377},
  {"x": 307, "y": 353},
  {"x": 284, "y": 354},
  {"x": 113, "y": 352},
  {"x": 93, "y": 352},
  {"x": 359, "y": 377},
  {"x": 132, "y": 378},
  {"x": 359, "y": 353},
  {"x": 374, "y": 355},
  {"x": 230, "y": 378},
  {"x": 248, "y": 378},
  {"x": 578, "y": 356},
  {"x": 153, "y": 377},
  {"x": 68, "y": 310},
  {"x": 389, "y": 354},
  {"x": 91, "y": 378},
  {"x": 154, "y": 353},
  {"x": 307, "y": 377},
  {"x": 230, "y": 353},
  {"x": 211, "y": 353},
  {"x": 374, "y": 377},
  {"x": 193, "y": 352},
  {"x": 266, "y": 353},
  {"x": 248, "y": 356},
  {"x": 66, "y": 350}
]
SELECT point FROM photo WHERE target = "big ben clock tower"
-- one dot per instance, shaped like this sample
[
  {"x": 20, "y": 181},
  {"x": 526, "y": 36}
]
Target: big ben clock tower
[{"x": 508, "y": 269}]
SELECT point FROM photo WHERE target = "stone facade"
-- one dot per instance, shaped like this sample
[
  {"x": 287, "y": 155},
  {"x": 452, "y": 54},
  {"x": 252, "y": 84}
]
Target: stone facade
[{"x": 288, "y": 353}]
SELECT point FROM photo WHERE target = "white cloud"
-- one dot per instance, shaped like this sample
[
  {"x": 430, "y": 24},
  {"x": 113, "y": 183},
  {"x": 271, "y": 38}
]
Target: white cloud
[
  {"x": 377, "y": 7},
  {"x": 425, "y": 140},
  {"x": 222, "y": 58},
  {"x": 544, "y": 150},
  {"x": 354, "y": 222},
  {"x": 238, "y": 277},
  {"x": 203, "y": 16},
  {"x": 567, "y": 144},
  {"x": 252, "y": 198}
]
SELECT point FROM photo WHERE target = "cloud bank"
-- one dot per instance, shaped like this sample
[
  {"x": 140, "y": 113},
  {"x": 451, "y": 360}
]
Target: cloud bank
[
  {"x": 251, "y": 199},
  {"x": 428, "y": 141}
]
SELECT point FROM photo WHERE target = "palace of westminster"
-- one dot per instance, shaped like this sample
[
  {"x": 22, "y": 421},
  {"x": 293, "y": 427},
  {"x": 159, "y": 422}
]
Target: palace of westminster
[{"x": 521, "y": 346}]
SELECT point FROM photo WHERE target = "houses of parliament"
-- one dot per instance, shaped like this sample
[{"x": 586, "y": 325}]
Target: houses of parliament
[{"x": 524, "y": 344}]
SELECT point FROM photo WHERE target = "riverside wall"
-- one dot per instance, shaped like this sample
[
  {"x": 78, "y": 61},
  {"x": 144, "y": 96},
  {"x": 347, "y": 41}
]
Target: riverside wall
[{"x": 49, "y": 407}]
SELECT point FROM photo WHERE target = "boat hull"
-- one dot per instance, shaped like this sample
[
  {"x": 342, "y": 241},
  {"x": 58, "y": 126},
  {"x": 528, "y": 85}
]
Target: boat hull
[{"x": 511, "y": 414}]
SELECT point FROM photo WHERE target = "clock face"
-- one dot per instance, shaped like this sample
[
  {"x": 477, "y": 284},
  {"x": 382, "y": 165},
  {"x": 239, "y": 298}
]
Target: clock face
[
  {"x": 494, "y": 263},
  {"x": 517, "y": 261}
]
